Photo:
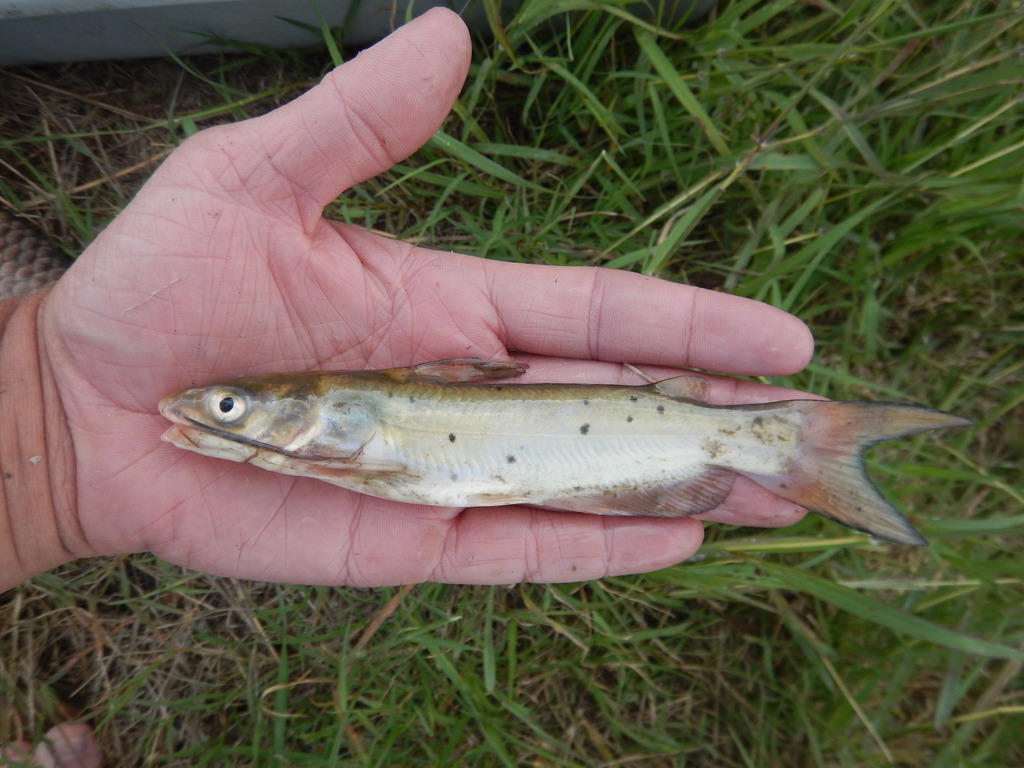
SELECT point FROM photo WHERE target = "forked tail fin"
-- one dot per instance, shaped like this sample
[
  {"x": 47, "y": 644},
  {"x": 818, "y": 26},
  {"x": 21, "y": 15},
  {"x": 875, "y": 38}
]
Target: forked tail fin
[{"x": 828, "y": 476}]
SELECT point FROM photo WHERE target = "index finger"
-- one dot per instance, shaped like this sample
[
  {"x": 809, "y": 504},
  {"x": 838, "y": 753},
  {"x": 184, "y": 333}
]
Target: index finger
[{"x": 603, "y": 314}]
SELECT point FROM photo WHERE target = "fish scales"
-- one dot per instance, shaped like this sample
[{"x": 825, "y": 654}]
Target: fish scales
[{"x": 443, "y": 433}]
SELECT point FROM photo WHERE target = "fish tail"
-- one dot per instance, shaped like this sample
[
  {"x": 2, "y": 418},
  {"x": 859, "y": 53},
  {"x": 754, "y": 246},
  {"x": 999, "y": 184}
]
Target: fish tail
[{"x": 830, "y": 478}]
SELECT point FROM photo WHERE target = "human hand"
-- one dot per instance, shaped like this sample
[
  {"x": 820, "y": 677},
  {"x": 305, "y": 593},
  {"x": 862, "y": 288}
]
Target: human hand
[{"x": 224, "y": 265}]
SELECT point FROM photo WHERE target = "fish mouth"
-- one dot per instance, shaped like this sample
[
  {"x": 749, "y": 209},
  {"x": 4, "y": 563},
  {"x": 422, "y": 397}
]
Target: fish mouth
[
  {"x": 184, "y": 436},
  {"x": 186, "y": 432}
]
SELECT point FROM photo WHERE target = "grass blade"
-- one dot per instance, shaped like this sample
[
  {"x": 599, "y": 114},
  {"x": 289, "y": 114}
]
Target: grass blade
[{"x": 885, "y": 616}]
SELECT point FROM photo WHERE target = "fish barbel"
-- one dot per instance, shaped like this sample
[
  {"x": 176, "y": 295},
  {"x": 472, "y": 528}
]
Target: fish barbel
[{"x": 444, "y": 433}]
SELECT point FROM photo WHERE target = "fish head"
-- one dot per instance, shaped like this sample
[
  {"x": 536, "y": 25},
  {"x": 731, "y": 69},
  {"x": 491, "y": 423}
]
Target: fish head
[{"x": 236, "y": 421}]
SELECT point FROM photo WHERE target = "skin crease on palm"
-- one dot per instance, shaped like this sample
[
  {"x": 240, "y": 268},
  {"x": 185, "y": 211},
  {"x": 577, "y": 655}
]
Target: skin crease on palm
[{"x": 224, "y": 265}]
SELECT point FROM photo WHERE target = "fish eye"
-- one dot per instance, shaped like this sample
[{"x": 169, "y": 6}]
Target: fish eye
[{"x": 226, "y": 406}]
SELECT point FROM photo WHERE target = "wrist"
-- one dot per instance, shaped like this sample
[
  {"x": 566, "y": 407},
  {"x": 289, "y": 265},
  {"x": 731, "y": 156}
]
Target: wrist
[{"x": 38, "y": 519}]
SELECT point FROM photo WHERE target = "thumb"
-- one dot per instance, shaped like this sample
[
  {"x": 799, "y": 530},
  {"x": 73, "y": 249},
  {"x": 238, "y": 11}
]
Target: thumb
[{"x": 371, "y": 112}]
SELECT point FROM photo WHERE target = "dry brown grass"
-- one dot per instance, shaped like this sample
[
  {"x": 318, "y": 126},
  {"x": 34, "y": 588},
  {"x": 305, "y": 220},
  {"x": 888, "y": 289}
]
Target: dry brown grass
[{"x": 80, "y": 139}]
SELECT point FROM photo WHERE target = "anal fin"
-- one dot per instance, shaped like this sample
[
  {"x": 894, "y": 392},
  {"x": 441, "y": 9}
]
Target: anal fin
[{"x": 692, "y": 496}]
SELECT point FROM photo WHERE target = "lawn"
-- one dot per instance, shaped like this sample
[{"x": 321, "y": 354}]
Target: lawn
[{"x": 858, "y": 164}]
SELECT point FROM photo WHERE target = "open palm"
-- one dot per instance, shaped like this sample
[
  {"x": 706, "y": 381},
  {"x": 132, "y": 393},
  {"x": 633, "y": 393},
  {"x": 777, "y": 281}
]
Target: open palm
[{"x": 224, "y": 265}]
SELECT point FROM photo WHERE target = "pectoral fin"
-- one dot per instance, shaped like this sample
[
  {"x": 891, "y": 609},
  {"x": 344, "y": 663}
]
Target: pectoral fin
[
  {"x": 456, "y": 371},
  {"x": 682, "y": 499}
]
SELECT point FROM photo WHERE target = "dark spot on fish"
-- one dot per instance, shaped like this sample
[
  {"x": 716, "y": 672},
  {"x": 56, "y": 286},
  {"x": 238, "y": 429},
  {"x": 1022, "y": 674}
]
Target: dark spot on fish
[
  {"x": 586, "y": 402},
  {"x": 412, "y": 399},
  {"x": 584, "y": 429},
  {"x": 390, "y": 393},
  {"x": 661, "y": 409},
  {"x": 510, "y": 459},
  {"x": 451, "y": 437},
  {"x": 633, "y": 398},
  {"x": 714, "y": 448},
  {"x": 453, "y": 477},
  {"x": 766, "y": 430},
  {"x": 499, "y": 388},
  {"x": 577, "y": 488},
  {"x": 629, "y": 419}
]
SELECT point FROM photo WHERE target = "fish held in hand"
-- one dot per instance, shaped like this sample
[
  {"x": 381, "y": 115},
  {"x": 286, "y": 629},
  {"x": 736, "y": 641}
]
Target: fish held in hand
[{"x": 447, "y": 434}]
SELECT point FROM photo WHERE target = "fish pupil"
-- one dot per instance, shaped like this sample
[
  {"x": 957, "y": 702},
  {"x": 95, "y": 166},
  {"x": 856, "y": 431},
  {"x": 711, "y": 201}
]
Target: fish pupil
[{"x": 226, "y": 404}]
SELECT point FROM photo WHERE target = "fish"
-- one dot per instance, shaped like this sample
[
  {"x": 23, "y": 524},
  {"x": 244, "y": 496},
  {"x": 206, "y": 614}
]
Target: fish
[{"x": 455, "y": 433}]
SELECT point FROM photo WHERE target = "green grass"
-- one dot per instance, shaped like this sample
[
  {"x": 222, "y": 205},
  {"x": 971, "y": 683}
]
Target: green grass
[{"x": 859, "y": 165}]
